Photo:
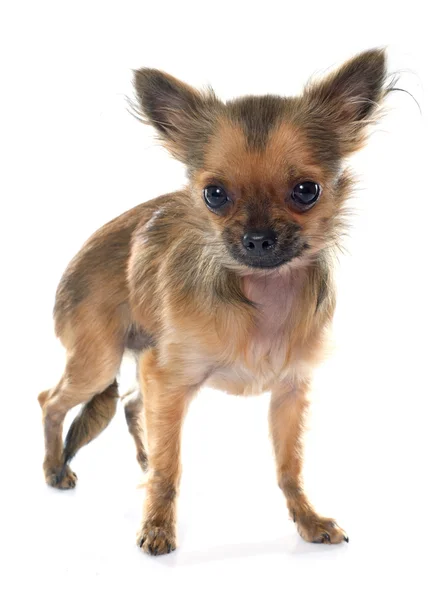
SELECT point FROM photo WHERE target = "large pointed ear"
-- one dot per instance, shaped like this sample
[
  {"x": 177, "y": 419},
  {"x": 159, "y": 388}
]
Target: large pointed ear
[
  {"x": 347, "y": 100},
  {"x": 182, "y": 116}
]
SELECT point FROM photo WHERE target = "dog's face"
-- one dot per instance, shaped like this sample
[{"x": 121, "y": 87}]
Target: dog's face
[
  {"x": 267, "y": 197},
  {"x": 265, "y": 172}
]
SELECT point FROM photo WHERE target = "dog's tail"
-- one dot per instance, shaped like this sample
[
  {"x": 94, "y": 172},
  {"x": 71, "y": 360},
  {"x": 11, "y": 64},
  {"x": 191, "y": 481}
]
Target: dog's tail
[{"x": 91, "y": 421}]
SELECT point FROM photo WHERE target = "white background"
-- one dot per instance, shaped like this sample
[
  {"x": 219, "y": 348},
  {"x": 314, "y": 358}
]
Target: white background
[{"x": 71, "y": 159}]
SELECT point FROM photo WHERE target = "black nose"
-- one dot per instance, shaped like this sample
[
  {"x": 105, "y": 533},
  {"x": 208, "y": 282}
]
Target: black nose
[{"x": 259, "y": 241}]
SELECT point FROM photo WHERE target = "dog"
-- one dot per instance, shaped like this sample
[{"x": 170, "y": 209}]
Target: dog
[{"x": 227, "y": 283}]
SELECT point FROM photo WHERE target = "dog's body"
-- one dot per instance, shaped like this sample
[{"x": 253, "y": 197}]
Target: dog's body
[{"x": 227, "y": 283}]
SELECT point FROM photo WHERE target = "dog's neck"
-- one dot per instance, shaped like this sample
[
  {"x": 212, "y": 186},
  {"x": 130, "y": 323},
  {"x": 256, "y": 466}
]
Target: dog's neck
[{"x": 273, "y": 293}]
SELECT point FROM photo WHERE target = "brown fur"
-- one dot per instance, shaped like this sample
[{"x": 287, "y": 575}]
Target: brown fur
[
  {"x": 134, "y": 417},
  {"x": 91, "y": 421},
  {"x": 167, "y": 280}
]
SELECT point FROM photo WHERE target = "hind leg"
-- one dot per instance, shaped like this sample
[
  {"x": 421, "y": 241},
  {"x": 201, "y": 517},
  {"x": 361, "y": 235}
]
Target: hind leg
[
  {"x": 133, "y": 407},
  {"x": 86, "y": 375},
  {"x": 57, "y": 403}
]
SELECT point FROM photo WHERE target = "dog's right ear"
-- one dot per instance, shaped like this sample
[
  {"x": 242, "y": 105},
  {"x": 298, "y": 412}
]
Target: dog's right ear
[{"x": 182, "y": 116}]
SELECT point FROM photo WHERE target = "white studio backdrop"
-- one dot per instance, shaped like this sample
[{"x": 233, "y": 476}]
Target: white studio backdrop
[{"x": 72, "y": 158}]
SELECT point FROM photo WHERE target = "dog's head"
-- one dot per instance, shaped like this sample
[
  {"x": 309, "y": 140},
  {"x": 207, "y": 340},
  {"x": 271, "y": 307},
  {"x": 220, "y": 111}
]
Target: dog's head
[{"x": 265, "y": 172}]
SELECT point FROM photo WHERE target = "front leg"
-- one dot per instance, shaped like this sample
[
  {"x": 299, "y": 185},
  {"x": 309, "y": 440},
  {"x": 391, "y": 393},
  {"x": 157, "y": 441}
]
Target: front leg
[
  {"x": 287, "y": 414},
  {"x": 165, "y": 401}
]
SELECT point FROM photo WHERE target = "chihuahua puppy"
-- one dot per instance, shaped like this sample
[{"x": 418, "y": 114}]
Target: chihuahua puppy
[{"x": 226, "y": 283}]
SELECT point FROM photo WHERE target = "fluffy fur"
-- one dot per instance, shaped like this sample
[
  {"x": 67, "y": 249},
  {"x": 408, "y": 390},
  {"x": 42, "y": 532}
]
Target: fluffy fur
[{"x": 171, "y": 281}]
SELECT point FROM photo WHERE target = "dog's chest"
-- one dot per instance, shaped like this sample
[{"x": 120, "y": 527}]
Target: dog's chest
[
  {"x": 262, "y": 360},
  {"x": 274, "y": 298}
]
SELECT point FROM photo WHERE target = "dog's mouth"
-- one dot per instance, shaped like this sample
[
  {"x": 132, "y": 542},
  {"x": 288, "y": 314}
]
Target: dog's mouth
[
  {"x": 272, "y": 259},
  {"x": 262, "y": 262}
]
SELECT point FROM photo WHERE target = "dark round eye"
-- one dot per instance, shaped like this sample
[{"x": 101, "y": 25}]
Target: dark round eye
[
  {"x": 305, "y": 194},
  {"x": 215, "y": 196}
]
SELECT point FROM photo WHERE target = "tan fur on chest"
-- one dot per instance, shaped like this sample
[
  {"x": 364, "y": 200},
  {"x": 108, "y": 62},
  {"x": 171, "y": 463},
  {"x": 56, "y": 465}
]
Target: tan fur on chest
[
  {"x": 269, "y": 353},
  {"x": 274, "y": 298}
]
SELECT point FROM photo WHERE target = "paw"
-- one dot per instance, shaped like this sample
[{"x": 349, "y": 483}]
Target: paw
[
  {"x": 156, "y": 540},
  {"x": 319, "y": 530},
  {"x": 62, "y": 478}
]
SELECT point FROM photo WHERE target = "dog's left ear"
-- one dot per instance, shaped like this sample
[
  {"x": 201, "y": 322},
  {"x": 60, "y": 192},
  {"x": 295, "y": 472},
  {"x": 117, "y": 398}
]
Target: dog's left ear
[
  {"x": 346, "y": 101},
  {"x": 181, "y": 115}
]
